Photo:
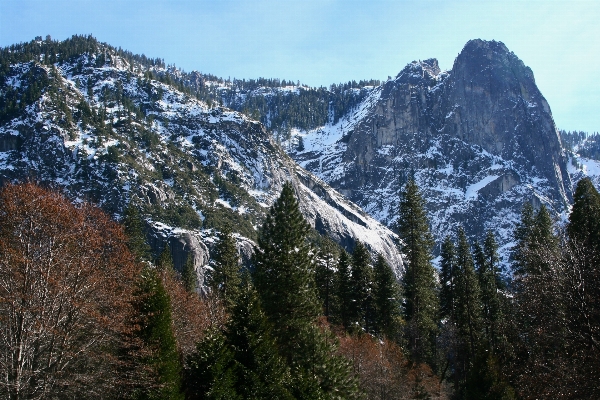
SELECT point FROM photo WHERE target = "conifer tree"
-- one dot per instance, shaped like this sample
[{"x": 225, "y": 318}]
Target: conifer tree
[
  {"x": 241, "y": 362},
  {"x": 164, "y": 262},
  {"x": 259, "y": 371},
  {"x": 584, "y": 221},
  {"x": 386, "y": 294},
  {"x": 419, "y": 281},
  {"x": 448, "y": 279},
  {"x": 468, "y": 298},
  {"x": 523, "y": 235},
  {"x": 283, "y": 269},
  {"x": 325, "y": 276},
  {"x": 157, "y": 334},
  {"x": 225, "y": 278},
  {"x": 284, "y": 279},
  {"x": 361, "y": 307},
  {"x": 134, "y": 229},
  {"x": 210, "y": 373},
  {"x": 188, "y": 275},
  {"x": 344, "y": 289},
  {"x": 487, "y": 273}
]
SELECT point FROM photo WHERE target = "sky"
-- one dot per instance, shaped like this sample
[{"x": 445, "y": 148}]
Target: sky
[{"x": 320, "y": 42}]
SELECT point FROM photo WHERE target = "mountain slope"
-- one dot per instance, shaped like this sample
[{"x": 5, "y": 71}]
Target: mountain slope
[
  {"x": 479, "y": 139},
  {"x": 110, "y": 127}
]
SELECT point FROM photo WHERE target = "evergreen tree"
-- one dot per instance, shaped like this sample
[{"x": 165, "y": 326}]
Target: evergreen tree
[
  {"x": 387, "y": 299},
  {"x": 325, "y": 276},
  {"x": 523, "y": 235},
  {"x": 157, "y": 334},
  {"x": 164, "y": 262},
  {"x": 210, "y": 373},
  {"x": 284, "y": 279},
  {"x": 259, "y": 371},
  {"x": 283, "y": 270},
  {"x": 448, "y": 279},
  {"x": 584, "y": 221},
  {"x": 468, "y": 298},
  {"x": 361, "y": 307},
  {"x": 225, "y": 278},
  {"x": 134, "y": 228},
  {"x": 344, "y": 289},
  {"x": 419, "y": 281},
  {"x": 188, "y": 275},
  {"x": 534, "y": 235},
  {"x": 487, "y": 273}
]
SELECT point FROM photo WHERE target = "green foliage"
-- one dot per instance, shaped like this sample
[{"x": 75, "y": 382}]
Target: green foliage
[
  {"x": 584, "y": 221},
  {"x": 188, "y": 275},
  {"x": 448, "y": 279},
  {"x": 210, "y": 371},
  {"x": 344, "y": 289},
  {"x": 242, "y": 362},
  {"x": 157, "y": 334},
  {"x": 283, "y": 270},
  {"x": 180, "y": 215},
  {"x": 284, "y": 278},
  {"x": 14, "y": 99},
  {"x": 486, "y": 260},
  {"x": 362, "y": 307},
  {"x": 325, "y": 276},
  {"x": 387, "y": 299},
  {"x": 225, "y": 277},
  {"x": 468, "y": 300},
  {"x": 419, "y": 281},
  {"x": 134, "y": 228},
  {"x": 164, "y": 262},
  {"x": 260, "y": 372}
]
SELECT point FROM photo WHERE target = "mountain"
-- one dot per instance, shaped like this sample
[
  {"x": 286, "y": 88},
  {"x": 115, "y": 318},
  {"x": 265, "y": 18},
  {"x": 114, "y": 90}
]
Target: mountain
[
  {"x": 479, "y": 139},
  {"x": 106, "y": 126}
]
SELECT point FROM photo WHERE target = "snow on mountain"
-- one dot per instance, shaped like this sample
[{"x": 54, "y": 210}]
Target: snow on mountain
[{"x": 107, "y": 128}]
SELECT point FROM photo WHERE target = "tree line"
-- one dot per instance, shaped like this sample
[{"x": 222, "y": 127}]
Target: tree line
[{"x": 87, "y": 311}]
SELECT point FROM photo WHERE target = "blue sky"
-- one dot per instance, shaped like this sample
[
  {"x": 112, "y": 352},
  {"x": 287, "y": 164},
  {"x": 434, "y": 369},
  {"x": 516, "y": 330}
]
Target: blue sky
[{"x": 332, "y": 41}]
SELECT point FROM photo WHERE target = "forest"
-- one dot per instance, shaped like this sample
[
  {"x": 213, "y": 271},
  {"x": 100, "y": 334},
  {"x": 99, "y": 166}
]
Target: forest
[{"x": 87, "y": 311}]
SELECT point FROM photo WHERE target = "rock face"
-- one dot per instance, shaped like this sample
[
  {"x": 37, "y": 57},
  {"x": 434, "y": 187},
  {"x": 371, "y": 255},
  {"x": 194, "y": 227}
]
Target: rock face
[
  {"x": 479, "y": 139},
  {"x": 104, "y": 129}
]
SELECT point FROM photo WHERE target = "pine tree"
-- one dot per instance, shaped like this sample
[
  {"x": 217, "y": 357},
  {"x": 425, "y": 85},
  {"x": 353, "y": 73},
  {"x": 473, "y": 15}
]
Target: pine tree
[
  {"x": 157, "y": 334},
  {"x": 361, "y": 307},
  {"x": 448, "y": 279},
  {"x": 344, "y": 289},
  {"x": 188, "y": 275},
  {"x": 258, "y": 369},
  {"x": 419, "y": 281},
  {"x": 284, "y": 279},
  {"x": 487, "y": 273},
  {"x": 134, "y": 229},
  {"x": 468, "y": 298},
  {"x": 164, "y": 262},
  {"x": 210, "y": 373},
  {"x": 325, "y": 276},
  {"x": 225, "y": 278},
  {"x": 523, "y": 235},
  {"x": 584, "y": 221},
  {"x": 283, "y": 270},
  {"x": 387, "y": 299}
]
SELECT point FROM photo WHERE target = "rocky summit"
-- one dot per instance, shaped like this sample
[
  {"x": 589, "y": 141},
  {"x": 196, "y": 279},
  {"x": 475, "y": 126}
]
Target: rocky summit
[
  {"x": 196, "y": 152},
  {"x": 479, "y": 139}
]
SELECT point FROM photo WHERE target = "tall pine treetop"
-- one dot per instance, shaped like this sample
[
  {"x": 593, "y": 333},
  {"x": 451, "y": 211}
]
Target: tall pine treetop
[
  {"x": 584, "y": 221},
  {"x": 283, "y": 264},
  {"x": 420, "y": 278},
  {"x": 413, "y": 226}
]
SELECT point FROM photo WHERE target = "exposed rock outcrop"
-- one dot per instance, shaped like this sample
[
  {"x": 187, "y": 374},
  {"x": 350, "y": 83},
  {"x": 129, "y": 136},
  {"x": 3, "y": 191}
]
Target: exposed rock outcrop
[{"x": 479, "y": 139}]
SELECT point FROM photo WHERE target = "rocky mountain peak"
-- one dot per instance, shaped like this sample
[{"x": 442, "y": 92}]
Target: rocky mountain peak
[{"x": 479, "y": 139}]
